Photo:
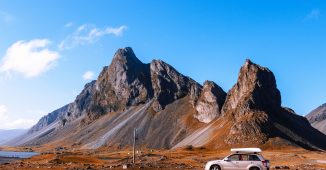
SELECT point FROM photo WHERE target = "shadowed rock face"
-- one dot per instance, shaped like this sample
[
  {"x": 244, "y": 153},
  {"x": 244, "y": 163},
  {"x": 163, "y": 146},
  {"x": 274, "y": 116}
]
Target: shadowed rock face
[
  {"x": 82, "y": 102},
  {"x": 210, "y": 102},
  {"x": 169, "y": 85}
]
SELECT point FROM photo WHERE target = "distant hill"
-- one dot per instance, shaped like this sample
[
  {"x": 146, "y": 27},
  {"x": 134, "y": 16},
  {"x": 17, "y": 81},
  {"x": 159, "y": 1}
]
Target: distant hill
[
  {"x": 7, "y": 135},
  {"x": 317, "y": 118},
  {"x": 171, "y": 110}
]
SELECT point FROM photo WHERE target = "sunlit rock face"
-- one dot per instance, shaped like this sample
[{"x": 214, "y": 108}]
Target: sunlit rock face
[
  {"x": 126, "y": 82},
  {"x": 210, "y": 102}
]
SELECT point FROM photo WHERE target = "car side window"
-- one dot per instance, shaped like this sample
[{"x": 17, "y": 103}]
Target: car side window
[
  {"x": 234, "y": 158},
  {"x": 253, "y": 158},
  {"x": 244, "y": 158}
]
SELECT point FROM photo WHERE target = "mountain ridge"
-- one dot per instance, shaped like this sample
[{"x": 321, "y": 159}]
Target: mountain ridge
[{"x": 171, "y": 110}]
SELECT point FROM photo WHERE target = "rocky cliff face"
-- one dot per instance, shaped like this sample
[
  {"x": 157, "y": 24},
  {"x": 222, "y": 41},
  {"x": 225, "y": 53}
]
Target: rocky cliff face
[
  {"x": 169, "y": 85},
  {"x": 49, "y": 119},
  {"x": 317, "y": 118},
  {"x": 255, "y": 89},
  {"x": 250, "y": 102},
  {"x": 124, "y": 83},
  {"x": 210, "y": 102},
  {"x": 254, "y": 107}
]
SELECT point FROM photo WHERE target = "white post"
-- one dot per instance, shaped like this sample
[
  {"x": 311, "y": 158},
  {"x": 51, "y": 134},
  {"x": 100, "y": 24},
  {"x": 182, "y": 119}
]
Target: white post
[{"x": 134, "y": 146}]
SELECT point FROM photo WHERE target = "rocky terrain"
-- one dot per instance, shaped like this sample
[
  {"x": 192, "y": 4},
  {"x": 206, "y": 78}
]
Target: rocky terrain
[
  {"x": 317, "y": 118},
  {"x": 185, "y": 158},
  {"x": 171, "y": 110}
]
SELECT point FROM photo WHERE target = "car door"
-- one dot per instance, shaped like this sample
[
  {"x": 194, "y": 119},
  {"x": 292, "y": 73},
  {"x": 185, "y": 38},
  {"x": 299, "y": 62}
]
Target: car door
[
  {"x": 231, "y": 162},
  {"x": 255, "y": 160},
  {"x": 244, "y": 161}
]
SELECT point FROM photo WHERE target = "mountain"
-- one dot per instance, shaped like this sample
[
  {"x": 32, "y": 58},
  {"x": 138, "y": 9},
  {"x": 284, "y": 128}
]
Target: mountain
[
  {"x": 7, "y": 135},
  {"x": 252, "y": 115},
  {"x": 317, "y": 118},
  {"x": 171, "y": 110},
  {"x": 254, "y": 107},
  {"x": 50, "y": 124},
  {"x": 127, "y": 94}
]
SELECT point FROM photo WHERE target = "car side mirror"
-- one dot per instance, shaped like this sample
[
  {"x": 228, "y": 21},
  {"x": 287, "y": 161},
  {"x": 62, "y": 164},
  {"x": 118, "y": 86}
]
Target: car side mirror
[{"x": 227, "y": 160}]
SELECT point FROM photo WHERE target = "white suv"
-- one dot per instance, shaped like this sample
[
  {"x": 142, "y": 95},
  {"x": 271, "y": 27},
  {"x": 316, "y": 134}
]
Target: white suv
[{"x": 241, "y": 159}]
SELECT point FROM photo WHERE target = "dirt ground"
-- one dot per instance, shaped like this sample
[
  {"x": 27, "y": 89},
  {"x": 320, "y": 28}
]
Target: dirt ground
[{"x": 187, "y": 158}]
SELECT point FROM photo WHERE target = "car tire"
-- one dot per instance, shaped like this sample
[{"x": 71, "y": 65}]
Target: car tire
[
  {"x": 215, "y": 167},
  {"x": 254, "y": 168}
]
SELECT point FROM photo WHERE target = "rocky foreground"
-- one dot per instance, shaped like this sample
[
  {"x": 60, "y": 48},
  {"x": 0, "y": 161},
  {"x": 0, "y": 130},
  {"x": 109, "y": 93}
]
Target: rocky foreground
[{"x": 186, "y": 158}]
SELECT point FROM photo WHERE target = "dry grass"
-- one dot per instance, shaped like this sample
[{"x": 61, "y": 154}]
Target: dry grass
[{"x": 163, "y": 159}]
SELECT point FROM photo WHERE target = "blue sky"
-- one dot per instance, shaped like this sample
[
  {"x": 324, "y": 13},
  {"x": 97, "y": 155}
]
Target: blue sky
[{"x": 50, "y": 49}]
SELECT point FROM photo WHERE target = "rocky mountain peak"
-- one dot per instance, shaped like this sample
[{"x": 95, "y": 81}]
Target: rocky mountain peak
[
  {"x": 125, "y": 57},
  {"x": 211, "y": 87},
  {"x": 210, "y": 102},
  {"x": 124, "y": 83},
  {"x": 256, "y": 86},
  {"x": 170, "y": 85},
  {"x": 250, "y": 103}
]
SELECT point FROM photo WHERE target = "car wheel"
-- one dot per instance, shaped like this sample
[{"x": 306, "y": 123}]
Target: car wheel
[
  {"x": 215, "y": 167},
  {"x": 254, "y": 168}
]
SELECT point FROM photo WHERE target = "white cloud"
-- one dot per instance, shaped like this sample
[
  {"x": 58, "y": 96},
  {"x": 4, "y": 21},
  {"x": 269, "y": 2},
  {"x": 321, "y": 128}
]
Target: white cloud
[
  {"x": 3, "y": 112},
  {"x": 30, "y": 58},
  {"x": 88, "y": 34},
  {"x": 7, "y": 123},
  {"x": 69, "y": 24},
  {"x": 6, "y": 17},
  {"x": 313, "y": 15},
  {"x": 88, "y": 75}
]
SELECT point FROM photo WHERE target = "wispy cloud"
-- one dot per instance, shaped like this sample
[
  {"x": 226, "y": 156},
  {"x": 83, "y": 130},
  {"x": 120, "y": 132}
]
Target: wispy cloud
[
  {"x": 7, "y": 123},
  {"x": 6, "y": 17},
  {"x": 313, "y": 15},
  {"x": 88, "y": 34},
  {"x": 69, "y": 24},
  {"x": 29, "y": 58},
  {"x": 88, "y": 75}
]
